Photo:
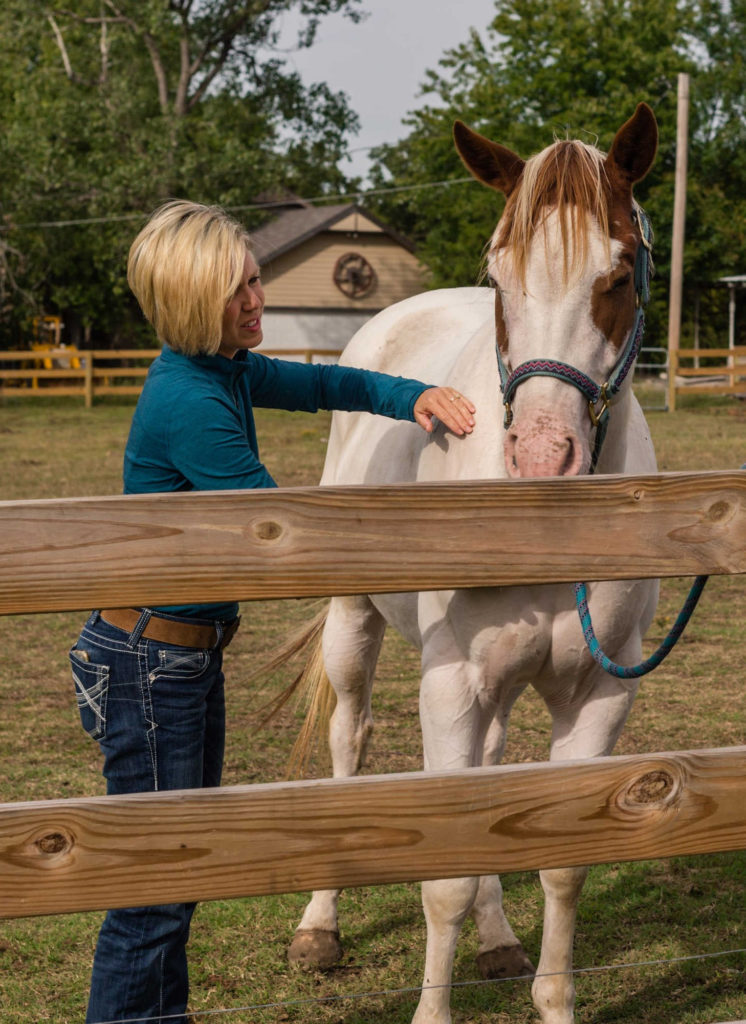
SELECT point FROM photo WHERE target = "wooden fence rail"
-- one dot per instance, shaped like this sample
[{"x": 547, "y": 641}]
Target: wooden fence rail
[
  {"x": 91, "y": 373},
  {"x": 61, "y": 856},
  {"x": 723, "y": 374},
  {"x": 69, "y": 855},
  {"x": 77, "y": 553}
]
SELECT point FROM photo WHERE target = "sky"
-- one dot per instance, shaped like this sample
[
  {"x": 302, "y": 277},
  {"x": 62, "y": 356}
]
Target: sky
[{"x": 381, "y": 63}]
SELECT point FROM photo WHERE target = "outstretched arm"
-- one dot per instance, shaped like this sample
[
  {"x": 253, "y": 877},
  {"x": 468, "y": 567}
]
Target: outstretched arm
[{"x": 279, "y": 384}]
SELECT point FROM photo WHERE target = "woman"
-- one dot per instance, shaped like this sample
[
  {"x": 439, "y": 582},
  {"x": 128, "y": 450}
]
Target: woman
[{"x": 149, "y": 681}]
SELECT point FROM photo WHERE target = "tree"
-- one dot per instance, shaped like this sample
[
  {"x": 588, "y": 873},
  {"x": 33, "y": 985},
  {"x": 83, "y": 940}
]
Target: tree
[
  {"x": 547, "y": 68},
  {"x": 111, "y": 106}
]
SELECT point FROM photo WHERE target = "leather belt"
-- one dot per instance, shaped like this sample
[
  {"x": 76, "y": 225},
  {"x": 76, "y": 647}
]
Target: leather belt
[{"x": 167, "y": 631}]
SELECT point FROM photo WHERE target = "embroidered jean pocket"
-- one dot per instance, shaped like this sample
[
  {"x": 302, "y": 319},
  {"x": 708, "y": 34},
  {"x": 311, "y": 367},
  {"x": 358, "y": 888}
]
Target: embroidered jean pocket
[
  {"x": 91, "y": 691},
  {"x": 180, "y": 663}
]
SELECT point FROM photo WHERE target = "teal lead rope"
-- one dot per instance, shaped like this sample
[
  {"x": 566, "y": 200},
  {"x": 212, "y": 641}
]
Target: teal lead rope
[{"x": 635, "y": 671}]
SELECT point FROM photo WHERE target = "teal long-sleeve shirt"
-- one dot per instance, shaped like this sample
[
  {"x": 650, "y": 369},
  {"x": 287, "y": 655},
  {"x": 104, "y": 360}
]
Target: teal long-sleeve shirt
[{"x": 193, "y": 427}]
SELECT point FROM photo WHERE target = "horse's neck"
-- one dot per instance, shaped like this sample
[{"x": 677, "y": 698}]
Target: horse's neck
[{"x": 627, "y": 447}]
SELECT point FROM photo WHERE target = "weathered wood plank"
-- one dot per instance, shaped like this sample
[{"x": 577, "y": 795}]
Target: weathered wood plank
[
  {"x": 70, "y": 554},
  {"x": 68, "y": 855},
  {"x": 739, "y": 351}
]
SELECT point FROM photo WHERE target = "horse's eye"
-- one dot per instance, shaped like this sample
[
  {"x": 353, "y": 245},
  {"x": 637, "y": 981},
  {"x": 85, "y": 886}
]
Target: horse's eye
[{"x": 620, "y": 283}]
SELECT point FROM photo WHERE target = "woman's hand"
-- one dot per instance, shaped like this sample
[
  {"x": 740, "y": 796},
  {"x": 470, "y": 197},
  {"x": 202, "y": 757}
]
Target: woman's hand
[{"x": 452, "y": 409}]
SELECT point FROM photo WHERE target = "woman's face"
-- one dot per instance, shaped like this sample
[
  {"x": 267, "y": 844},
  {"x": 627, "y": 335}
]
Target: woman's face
[{"x": 242, "y": 319}]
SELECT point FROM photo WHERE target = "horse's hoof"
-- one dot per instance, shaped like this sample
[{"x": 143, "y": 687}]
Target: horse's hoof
[
  {"x": 314, "y": 947},
  {"x": 505, "y": 962}
]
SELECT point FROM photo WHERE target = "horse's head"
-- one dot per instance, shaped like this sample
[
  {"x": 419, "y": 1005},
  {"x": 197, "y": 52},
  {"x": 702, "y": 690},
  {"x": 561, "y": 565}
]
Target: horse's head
[{"x": 568, "y": 261}]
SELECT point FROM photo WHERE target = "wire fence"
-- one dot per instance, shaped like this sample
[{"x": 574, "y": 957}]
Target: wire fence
[{"x": 415, "y": 990}]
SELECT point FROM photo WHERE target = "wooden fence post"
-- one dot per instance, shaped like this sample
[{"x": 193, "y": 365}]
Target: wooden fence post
[
  {"x": 679, "y": 211},
  {"x": 89, "y": 380}
]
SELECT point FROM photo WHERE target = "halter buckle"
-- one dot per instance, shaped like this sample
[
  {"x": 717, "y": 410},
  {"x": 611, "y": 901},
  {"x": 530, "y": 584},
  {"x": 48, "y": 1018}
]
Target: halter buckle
[
  {"x": 508, "y": 414},
  {"x": 605, "y": 401}
]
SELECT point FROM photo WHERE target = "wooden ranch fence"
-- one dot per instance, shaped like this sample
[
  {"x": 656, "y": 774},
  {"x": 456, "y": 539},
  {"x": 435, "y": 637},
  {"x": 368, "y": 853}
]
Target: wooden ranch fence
[
  {"x": 723, "y": 374},
  {"x": 93, "y": 372},
  {"x": 79, "y": 854}
]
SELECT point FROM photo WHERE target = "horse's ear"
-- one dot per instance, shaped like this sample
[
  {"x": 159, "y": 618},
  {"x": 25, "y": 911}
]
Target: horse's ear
[
  {"x": 634, "y": 147},
  {"x": 489, "y": 162}
]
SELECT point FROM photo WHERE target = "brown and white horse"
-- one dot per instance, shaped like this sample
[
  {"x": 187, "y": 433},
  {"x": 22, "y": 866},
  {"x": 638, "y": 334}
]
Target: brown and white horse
[{"x": 563, "y": 264}]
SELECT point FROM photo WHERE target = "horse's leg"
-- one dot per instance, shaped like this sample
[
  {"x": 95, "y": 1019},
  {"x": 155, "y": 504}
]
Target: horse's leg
[
  {"x": 584, "y": 724},
  {"x": 351, "y": 643},
  {"x": 500, "y": 953},
  {"x": 453, "y": 728}
]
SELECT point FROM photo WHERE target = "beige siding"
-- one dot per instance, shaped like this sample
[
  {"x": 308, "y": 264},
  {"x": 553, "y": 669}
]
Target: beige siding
[
  {"x": 303, "y": 278},
  {"x": 356, "y": 222}
]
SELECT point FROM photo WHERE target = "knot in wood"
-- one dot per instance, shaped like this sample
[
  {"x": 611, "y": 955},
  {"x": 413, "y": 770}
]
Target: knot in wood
[
  {"x": 268, "y": 530},
  {"x": 651, "y": 788},
  {"x": 719, "y": 511},
  {"x": 53, "y": 842}
]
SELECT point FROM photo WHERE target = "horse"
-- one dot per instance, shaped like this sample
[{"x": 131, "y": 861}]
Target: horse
[{"x": 563, "y": 313}]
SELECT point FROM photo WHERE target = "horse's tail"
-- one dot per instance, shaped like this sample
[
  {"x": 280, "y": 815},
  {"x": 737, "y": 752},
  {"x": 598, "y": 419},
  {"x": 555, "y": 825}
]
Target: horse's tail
[{"x": 311, "y": 687}]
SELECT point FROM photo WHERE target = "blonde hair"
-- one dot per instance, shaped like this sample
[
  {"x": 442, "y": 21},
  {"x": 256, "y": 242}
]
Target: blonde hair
[
  {"x": 570, "y": 177},
  {"x": 183, "y": 269}
]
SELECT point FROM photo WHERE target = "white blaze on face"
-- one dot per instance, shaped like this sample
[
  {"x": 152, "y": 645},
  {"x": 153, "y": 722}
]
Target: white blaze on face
[{"x": 551, "y": 318}]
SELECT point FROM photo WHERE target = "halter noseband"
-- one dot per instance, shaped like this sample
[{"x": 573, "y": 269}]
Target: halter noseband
[{"x": 598, "y": 396}]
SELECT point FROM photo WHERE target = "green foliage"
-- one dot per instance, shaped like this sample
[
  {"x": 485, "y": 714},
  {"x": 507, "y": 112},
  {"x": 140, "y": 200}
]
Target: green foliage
[
  {"x": 107, "y": 108},
  {"x": 578, "y": 68}
]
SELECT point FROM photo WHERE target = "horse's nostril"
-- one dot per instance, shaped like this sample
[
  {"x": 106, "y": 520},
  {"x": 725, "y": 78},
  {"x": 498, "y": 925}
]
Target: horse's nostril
[{"x": 569, "y": 462}]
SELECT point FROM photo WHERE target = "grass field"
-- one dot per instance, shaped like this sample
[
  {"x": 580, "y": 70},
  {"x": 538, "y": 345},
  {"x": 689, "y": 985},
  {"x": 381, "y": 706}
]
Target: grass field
[{"x": 633, "y": 914}]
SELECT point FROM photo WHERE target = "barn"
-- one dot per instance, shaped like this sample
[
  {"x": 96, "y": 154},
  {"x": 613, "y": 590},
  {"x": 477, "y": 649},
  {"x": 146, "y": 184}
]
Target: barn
[{"x": 326, "y": 270}]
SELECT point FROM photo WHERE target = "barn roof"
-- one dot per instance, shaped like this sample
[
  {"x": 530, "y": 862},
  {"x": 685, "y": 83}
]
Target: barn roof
[{"x": 300, "y": 222}]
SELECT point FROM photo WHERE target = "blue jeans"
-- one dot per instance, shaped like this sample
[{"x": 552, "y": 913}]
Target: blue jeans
[{"x": 158, "y": 714}]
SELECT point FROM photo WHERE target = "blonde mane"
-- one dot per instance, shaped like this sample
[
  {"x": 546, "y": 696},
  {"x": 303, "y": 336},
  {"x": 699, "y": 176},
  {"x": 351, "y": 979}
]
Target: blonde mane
[{"x": 568, "y": 176}]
